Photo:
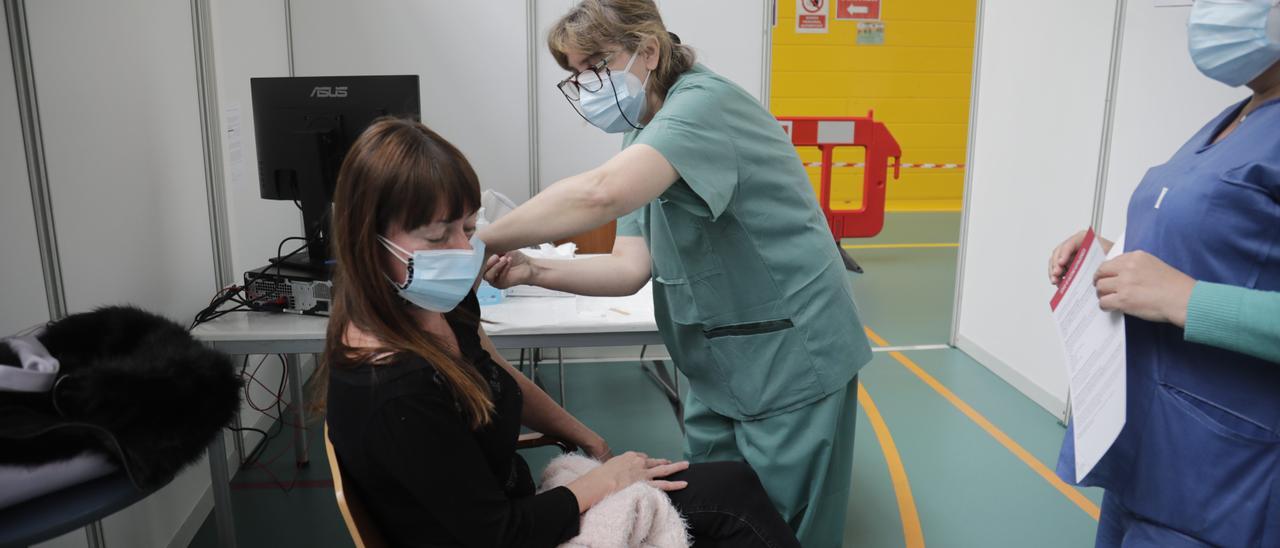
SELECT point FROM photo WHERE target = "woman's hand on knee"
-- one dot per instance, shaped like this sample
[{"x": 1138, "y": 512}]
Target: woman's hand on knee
[
  {"x": 631, "y": 467},
  {"x": 659, "y": 469},
  {"x": 621, "y": 472}
]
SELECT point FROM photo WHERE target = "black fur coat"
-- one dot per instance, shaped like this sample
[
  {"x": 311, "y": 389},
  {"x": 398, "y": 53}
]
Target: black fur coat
[{"x": 133, "y": 385}]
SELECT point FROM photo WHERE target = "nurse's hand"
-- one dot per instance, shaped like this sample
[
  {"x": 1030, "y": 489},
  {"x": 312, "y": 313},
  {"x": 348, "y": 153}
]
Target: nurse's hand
[
  {"x": 1062, "y": 255},
  {"x": 1143, "y": 286},
  {"x": 507, "y": 270}
]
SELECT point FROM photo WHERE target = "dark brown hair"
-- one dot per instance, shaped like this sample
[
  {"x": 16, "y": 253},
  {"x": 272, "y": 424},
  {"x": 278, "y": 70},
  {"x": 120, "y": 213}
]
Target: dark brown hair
[
  {"x": 397, "y": 173},
  {"x": 594, "y": 24}
]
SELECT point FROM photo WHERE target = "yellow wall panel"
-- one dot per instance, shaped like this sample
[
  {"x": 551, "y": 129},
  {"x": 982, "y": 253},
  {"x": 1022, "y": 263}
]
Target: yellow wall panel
[
  {"x": 917, "y": 83},
  {"x": 807, "y": 106},
  {"x": 842, "y": 58},
  {"x": 870, "y": 84},
  {"x": 940, "y": 110}
]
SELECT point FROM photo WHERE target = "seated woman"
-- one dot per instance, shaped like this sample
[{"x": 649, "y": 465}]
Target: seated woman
[{"x": 424, "y": 414}]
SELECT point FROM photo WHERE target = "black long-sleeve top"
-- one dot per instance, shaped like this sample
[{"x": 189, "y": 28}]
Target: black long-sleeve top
[{"x": 408, "y": 452}]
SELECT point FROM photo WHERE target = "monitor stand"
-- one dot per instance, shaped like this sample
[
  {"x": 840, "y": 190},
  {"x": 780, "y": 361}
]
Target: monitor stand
[{"x": 302, "y": 261}]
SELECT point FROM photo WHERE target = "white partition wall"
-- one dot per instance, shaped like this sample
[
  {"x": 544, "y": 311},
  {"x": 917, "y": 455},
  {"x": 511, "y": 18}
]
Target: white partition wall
[
  {"x": 1161, "y": 100},
  {"x": 1041, "y": 84},
  {"x": 120, "y": 117},
  {"x": 123, "y": 145},
  {"x": 470, "y": 58},
  {"x": 22, "y": 293},
  {"x": 729, "y": 36}
]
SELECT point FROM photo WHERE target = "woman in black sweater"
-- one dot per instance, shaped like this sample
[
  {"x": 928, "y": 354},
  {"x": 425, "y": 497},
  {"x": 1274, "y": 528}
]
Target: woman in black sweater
[{"x": 424, "y": 414}]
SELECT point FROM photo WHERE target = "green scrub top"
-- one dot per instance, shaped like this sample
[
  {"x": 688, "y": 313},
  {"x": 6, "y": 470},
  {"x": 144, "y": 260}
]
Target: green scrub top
[{"x": 750, "y": 292}]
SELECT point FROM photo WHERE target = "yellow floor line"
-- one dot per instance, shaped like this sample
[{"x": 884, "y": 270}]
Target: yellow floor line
[
  {"x": 901, "y": 487},
  {"x": 898, "y": 246},
  {"x": 1026, "y": 457}
]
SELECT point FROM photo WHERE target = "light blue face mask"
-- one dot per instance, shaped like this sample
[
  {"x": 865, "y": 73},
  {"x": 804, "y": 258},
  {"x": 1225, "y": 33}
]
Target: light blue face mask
[
  {"x": 1234, "y": 41},
  {"x": 438, "y": 279},
  {"x": 618, "y": 104}
]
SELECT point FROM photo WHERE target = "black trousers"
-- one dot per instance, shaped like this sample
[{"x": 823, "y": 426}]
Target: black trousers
[{"x": 726, "y": 506}]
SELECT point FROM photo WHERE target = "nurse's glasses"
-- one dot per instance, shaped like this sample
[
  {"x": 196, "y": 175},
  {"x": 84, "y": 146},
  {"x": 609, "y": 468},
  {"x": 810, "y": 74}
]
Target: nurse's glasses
[{"x": 589, "y": 79}]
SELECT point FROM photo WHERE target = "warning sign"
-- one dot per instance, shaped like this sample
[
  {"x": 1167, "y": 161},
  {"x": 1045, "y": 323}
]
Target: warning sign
[
  {"x": 812, "y": 16},
  {"x": 857, "y": 9}
]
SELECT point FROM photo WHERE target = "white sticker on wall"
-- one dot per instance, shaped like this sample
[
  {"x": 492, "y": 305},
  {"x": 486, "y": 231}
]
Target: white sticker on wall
[
  {"x": 835, "y": 133},
  {"x": 870, "y": 33},
  {"x": 235, "y": 144}
]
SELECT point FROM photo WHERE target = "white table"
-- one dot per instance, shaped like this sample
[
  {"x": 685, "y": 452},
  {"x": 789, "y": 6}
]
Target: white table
[{"x": 521, "y": 322}]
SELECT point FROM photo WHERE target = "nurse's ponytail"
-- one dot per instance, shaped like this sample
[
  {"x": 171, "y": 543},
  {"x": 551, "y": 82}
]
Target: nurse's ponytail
[{"x": 592, "y": 24}]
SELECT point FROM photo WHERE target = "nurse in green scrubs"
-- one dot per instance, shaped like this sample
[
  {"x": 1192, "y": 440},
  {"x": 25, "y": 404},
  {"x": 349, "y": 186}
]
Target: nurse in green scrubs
[{"x": 714, "y": 206}]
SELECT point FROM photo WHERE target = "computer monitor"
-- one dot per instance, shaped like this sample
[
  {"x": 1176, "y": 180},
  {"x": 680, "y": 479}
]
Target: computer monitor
[{"x": 304, "y": 126}]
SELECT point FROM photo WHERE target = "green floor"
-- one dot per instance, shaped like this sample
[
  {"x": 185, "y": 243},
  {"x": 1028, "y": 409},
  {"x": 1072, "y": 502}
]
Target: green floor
[{"x": 968, "y": 489}]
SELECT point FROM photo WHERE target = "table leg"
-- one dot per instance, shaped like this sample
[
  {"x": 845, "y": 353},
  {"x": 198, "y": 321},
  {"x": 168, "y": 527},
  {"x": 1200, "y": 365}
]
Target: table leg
[
  {"x": 564, "y": 399},
  {"x": 238, "y": 438},
  {"x": 96, "y": 538},
  {"x": 221, "y": 480},
  {"x": 657, "y": 371},
  {"x": 236, "y": 422},
  {"x": 299, "y": 410},
  {"x": 536, "y": 354}
]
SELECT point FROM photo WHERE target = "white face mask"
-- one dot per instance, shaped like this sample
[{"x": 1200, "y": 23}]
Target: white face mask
[
  {"x": 1234, "y": 41},
  {"x": 618, "y": 103},
  {"x": 438, "y": 279}
]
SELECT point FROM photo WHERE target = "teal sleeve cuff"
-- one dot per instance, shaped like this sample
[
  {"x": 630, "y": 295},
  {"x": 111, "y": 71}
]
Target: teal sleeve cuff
[{"x": 1213, "y": 315}]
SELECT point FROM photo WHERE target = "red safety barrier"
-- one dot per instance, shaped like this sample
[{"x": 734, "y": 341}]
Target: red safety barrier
[{"x": 830, "y": 133}]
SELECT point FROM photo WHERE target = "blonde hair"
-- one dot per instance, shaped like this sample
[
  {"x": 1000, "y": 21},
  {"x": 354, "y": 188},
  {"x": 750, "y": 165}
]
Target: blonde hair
[{"x": 593, "y": 24}]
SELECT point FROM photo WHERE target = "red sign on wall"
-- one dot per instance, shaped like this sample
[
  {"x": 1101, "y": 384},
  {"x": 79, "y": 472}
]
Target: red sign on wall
[
  {"x": 857, "y": 9},
  {"x": 812, "y": 16}
]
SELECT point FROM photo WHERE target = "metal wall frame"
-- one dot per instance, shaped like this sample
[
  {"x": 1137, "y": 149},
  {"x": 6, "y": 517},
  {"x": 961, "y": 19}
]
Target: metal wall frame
[{"x": 37, "y": 166}]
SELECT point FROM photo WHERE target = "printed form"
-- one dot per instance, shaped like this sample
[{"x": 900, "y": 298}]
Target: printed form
[{"x": 1095, "y": 347}]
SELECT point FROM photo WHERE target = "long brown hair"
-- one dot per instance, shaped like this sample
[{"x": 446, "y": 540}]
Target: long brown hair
[
  {"x": 398, "y": 172},
  {"x": 591, "y": 25}
]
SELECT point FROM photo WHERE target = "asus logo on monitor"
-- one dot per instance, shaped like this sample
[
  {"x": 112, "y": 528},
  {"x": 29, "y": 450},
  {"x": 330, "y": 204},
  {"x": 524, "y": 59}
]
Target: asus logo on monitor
[{"x": 329, "y": 91}]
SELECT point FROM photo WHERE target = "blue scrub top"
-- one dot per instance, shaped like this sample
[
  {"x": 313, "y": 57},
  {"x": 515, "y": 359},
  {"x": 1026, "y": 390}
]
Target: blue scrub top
[{"x": 1200, "y": 450}]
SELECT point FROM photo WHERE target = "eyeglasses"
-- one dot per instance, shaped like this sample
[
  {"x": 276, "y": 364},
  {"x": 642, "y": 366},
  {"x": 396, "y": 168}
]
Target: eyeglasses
[{"x": 589, "y": 79}]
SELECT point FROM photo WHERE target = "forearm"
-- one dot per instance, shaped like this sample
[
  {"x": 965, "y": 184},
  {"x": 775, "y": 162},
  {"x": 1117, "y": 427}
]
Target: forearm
[
  {"x": 632, "y": 178},
  {"x": 589, "y": 491},
  {"x": 1235, "y": 318},
  {"x": 571, "y": 206},
  {"x": 542, "y": 414},
  {"x": 607, "y": 276}
]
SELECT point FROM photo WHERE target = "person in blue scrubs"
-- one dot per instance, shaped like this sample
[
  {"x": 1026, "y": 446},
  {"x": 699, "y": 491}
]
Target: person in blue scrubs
[{"x": 1198, "y": 461}]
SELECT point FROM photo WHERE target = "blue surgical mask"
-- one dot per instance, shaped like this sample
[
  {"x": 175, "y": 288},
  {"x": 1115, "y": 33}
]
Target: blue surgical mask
[
  {"x": 438, "y": 279},
  {"x": 1234, "y": 41},
  {"x": 618, "y": 104}
]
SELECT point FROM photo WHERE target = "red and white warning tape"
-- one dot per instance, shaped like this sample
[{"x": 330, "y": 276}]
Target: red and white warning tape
[{"x": 904, "y": 166}]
